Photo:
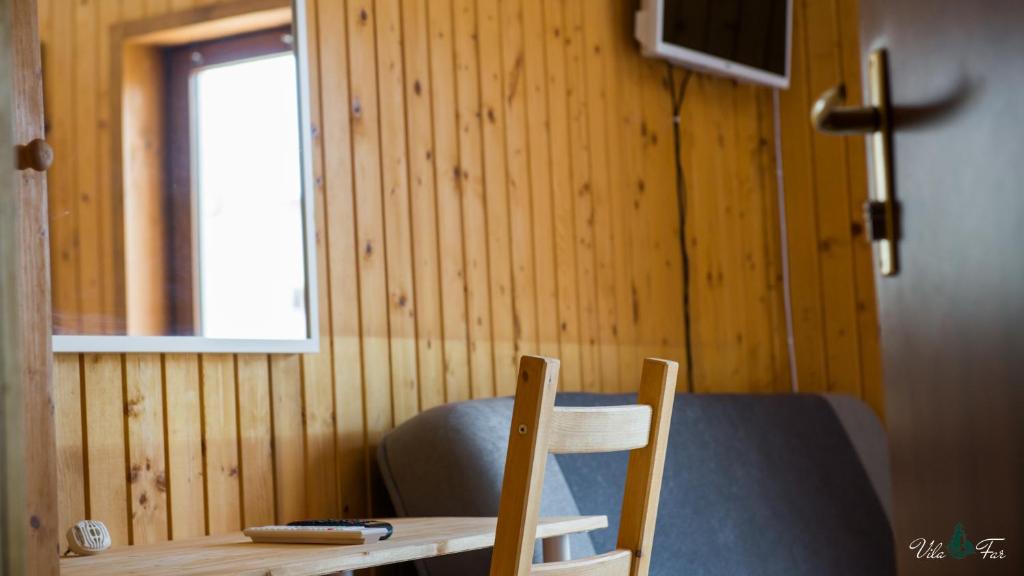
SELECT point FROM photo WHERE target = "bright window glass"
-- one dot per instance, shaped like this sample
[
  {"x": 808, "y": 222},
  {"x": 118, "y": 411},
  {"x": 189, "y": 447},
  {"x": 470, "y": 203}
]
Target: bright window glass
[{"x": 247, "y": 167}]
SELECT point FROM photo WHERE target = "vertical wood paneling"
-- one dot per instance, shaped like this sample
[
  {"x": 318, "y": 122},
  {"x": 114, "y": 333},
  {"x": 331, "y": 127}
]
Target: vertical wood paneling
[
  {"x": 757, "y": 343},
  {"x": 58, "y": 64},
  {"x": 533, "y": 78},
  {"x": 146, "y": 457},
  {"x": 365, "y": 124},
  {"x": 499, "y": 252},
  {"x": 582, "y": 192},
  {"x": 665, "y": 307},
  {"x": 518, "y": 176},
  {"x": 596, "y": 52},
  {"x": 831, "y": 272},
  {"x": 624, "y": 173},
  {"x": 492, "y": 178},
  {"x": 342, "y": 255},
  {"x": 183, "y": 413},
  {"x": 369, "y": 215},
  {"x": 731, "y": 211},
  {"x": 255, "y": 444},
  {"x": 106, "y": 444},
  {"x": 394, "y": 165},
  {"x": 632, "y": 207},
  {"x": 401, "y": 296},
  {"x": 474, "y": 208},
  {"x": 833, "y": 212},
  {"x": 717, "y": 139},
  {"x": 91, "y": 265},
  {"x": 774, "y": 298},
  {"x": 317, "y": 369},
  {"x": 701, "y": 239},
  {"x": 289, "y": 438},
  {"x": 448, "y": 183},
  {"x": 562, "y": 210},
  {"x": 110, "y": 241},
  {"x": 67, "y": 386},
  {"x": 801, "y": 224},
  {"x": 423, "y": 204},
  {"x": 220, "y": 443}
]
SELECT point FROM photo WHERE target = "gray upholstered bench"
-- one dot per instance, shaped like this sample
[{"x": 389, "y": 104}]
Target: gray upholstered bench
[{"x": 786, "y": 484}]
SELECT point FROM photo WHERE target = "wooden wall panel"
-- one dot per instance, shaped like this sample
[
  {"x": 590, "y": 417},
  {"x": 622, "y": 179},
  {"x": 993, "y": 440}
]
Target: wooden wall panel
[
  {"x": 255, "y": 434},
  {"x": 517, "y": 181},
  {"x": 499, "y": 248},
  {"x": 369, "y": 215},
  {"x": 184, "y": 397},
  {"x": 317, "y": 369},
  {"x": 91, "y": 263},
  {"x": 220, "y": 440},
  {"x": 56, "y": 21},
  {"x": 577, "y": 157},
  {"x": 423, "y": 205},
  {"x": 623, "y": 177},
  {"x": 147, "y": 474},
  {"x": 831, "y": 281},
  {"x": 289, "y": 439},
  {"x": 474, "y": 204},
  {"x": 561, "y": 205},
  {"x": 401, "y": 291},
  {"x": 106, "y": 443},
  {"x": 345, "y": 319},
  {"x": 492, "y": 178},
  {"x": 67, "y": 385},
  {"x": 532, "y": 78},
  {"x": 594, "y": 46},
  {"x": 448, "y": 187}
]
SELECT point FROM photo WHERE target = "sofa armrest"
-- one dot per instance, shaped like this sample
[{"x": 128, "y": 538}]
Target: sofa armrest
[{"x": 869, "y": 439}]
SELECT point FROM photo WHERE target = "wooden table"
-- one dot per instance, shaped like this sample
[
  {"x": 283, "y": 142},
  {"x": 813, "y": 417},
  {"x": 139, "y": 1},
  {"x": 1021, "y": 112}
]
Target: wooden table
[{"x": 413, "y": 539}]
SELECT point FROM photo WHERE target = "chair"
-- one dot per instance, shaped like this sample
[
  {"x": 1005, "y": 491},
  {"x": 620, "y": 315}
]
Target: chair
[{"x": 539, "y": 428}]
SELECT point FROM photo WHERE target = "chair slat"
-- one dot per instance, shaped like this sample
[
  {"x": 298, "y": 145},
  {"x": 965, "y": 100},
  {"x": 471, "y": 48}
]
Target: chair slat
[
  {"x": 599, "y": 429},
  {"x": 614, "y": 563},
  {"x": 646, "y": 466},
  {"x": 516, "y": 532}
]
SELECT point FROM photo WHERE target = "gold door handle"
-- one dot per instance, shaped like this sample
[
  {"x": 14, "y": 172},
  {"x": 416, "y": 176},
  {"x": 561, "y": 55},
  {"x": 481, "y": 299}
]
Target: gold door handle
[{"x": 829, "y": 115}]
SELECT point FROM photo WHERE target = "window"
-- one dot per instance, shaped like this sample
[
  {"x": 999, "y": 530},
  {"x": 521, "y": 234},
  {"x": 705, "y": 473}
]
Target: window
[{"x": 235, "y": 188}]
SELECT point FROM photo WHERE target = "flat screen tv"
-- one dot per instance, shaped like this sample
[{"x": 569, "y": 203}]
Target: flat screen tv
[{"x": 744, "y": 39}]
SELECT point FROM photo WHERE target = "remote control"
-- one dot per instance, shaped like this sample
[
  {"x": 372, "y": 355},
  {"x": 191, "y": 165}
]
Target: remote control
[
  {"x": 350, "y": 523},
  {"x": 315, "y": 534}
]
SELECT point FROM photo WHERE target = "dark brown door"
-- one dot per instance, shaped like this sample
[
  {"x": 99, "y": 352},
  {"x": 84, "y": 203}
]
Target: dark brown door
[{"x": 952, "y": 320}]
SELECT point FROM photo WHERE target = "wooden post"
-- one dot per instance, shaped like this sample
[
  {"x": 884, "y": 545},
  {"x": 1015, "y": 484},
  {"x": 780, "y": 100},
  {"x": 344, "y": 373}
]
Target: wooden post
[
  {"x": 29, "y": 522},
  {"x": 12, "y": 434}
]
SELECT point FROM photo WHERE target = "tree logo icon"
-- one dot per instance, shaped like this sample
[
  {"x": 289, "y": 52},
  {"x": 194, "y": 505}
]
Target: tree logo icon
[{"x": 959, "y": 546}]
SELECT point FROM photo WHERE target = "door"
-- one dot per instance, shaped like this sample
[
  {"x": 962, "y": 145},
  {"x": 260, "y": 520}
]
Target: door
[
  {"x": 28, "y": 463},
  {"x": 952, "y": 318}
]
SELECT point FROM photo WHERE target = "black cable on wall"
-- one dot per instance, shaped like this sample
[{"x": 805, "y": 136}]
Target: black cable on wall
[{"x": 678, "y": 93}]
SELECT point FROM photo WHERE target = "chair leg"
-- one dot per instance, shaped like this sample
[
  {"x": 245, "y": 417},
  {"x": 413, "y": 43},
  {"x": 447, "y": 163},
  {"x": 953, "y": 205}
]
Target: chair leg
[{"x": 556, "y": 549}]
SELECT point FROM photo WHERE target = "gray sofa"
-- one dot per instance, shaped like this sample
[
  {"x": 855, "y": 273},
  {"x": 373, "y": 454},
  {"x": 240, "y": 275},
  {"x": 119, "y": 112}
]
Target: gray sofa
[{"x": 787, "y": 485}]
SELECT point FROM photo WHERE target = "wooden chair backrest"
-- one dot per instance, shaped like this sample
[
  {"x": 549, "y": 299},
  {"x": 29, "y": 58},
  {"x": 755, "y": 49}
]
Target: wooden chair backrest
[{"x": 539, "y": 428}]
